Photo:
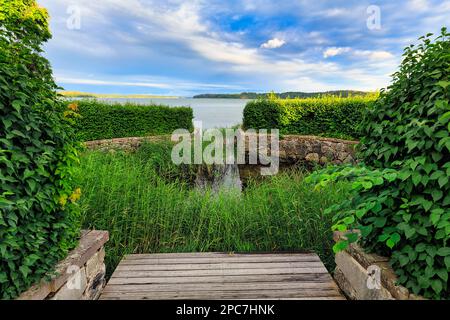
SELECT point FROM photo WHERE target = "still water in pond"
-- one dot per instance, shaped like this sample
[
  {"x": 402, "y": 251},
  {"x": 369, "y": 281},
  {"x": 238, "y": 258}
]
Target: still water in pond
[{"x": 214, "y": 113}]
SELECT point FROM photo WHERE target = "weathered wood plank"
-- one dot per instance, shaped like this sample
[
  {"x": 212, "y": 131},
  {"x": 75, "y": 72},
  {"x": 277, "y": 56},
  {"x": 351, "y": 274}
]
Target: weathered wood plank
[
  {"x": 213, "y": 255},
  {"x": 193, "y": 287},
  {"x": 322, "y": 277},
  {"x": 224, "y": 272},
  {"x": 218, "y": 266},
  {"x": 256, "y": 294},
  {"x": 218, "y": 259}
]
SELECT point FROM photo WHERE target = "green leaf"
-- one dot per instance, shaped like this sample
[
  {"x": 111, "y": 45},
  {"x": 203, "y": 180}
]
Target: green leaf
[
  {"x": 436, "y": 215},
  {"x": 443, "y": 274},
  {"x": 417, "y": 178},
  {"x": 24, "y": 270},
  {"x": 445, "y": 118},
  {"x": 410, "y": 232},
  {"x": 420, "y": 247},
  {"x": 443, "y": 84},
  {"x": 390, "y": 176},
  {"x": 352, "y": 237},
  {"x": 443, "y": 181},
  {"x": 393, "y": 240},
  {"x": 444, "y": 252},
  {"x": 447, "y": 262},
  {"x": 340, "y": 246},
  {"x": 3, "y": 277},
  {"x": 437, "y": 286},
  {"x": 437, "y": 195},
  {"x": 404, "y": 260}
]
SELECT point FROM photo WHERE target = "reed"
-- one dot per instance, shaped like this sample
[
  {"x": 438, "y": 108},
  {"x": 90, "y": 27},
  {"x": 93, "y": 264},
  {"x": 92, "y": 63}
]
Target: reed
[{"x": 143, "y": 201}]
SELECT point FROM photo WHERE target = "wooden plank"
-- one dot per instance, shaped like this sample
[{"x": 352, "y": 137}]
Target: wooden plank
[
  {"x": 231, "y": 259},
  {"x": 243, "y": 299},
  {"x": 322, "y": 277},
  {"x": 218, "y": 266},
  {"x": 224, "y": 272},
  {"x": 253, "y": 294},
  {"x": 242, "y": 286},
  {"x": 213, "y": 255}
]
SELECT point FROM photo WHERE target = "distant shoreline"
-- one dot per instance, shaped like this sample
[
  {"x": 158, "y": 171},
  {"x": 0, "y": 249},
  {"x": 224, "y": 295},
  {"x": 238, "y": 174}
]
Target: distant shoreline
[
  {"x": 284, "y": 95},
  {"x": 87, "y": 95}
]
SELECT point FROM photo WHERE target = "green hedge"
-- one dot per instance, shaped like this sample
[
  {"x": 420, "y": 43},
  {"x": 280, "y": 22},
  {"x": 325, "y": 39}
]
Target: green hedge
[
  {"x": 101, "y": 120},
  {"x": 326, "y": 116}
]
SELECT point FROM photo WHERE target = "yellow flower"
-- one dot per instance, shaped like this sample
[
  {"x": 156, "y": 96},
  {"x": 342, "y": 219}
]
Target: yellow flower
[
  {"x": 73, "y": 107},
  {"x": 75, "y": 196},
  {"x": 62, "y": 200}
]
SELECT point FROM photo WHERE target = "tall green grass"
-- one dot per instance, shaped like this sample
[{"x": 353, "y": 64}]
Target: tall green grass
[{"x": 143, "y": 202}]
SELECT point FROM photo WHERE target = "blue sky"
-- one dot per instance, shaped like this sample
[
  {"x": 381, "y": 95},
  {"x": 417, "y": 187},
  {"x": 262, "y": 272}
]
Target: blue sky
[{"x": 188, "y": 47}]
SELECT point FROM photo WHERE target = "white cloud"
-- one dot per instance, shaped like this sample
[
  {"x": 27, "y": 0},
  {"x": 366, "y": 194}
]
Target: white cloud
[
  {"x": 371, "y": 55},
  {"x": 133, "y": 81},
  {"x": 419, "y": 4},
  {"x": 111, "y": 83},
  {"x": 335, "y": 12},
  {"x": 375, "y": 55},
  {"x": 335, "y": 51},
  {"x": 273, "y": 44}
]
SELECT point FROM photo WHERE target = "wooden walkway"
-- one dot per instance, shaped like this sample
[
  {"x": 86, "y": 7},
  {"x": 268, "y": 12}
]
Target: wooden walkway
[{"x": 193, "y": 276}]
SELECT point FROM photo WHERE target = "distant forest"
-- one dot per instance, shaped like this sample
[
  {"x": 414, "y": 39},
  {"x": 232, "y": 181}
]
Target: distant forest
[{"x": 284, "y": 95}]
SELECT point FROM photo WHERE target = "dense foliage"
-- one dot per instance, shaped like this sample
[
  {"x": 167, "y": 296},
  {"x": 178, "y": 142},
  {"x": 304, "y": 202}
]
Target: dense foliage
[
  {"x": 327, "y": 116},
  {"x": 140, "y": 199},
  {"x": 401, "y": 202},
  {"x": 283, "y": 95},
  {"x": 101, "y": 120},
  {"x": 39, "y": 221}
]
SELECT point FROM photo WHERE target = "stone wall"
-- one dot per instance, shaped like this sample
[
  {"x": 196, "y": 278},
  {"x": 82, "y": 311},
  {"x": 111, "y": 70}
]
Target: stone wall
[
  {"x": 81, "y": 276},
  {"x": 363, "y": 276},
  {"x": 316, "y": 150},
  {"x": 293, "y": 149},
  {"x": 128, "y": 144}
]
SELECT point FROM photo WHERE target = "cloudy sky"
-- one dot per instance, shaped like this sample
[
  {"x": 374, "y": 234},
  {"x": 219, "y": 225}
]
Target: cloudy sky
[{"x": 183, "y": 48}]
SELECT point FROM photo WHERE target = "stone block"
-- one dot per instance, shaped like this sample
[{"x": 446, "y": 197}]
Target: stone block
[
  {"x": 358, "y": 278},
  {"x": 74, "y": 287},
  {"x": 95, "y": 264},
  {"x": 312, "y": 157}
]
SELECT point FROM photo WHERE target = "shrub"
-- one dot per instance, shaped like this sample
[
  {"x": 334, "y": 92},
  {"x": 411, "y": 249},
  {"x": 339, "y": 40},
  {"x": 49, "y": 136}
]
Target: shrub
[
  {"x": 106, "y": 121},
  {"x": 401, "y": 202},
  {"x": 39, "y": 221},
  {"x": 326, "y": 116}
]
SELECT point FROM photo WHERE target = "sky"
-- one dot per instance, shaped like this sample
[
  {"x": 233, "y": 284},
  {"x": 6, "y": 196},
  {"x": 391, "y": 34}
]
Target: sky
[{"x": 185, "y": 48}]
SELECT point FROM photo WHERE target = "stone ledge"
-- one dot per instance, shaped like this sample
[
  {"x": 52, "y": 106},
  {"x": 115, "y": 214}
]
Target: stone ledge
[
  {"x": 352, "y": 275},
  {"x": 90, "y": 244}
]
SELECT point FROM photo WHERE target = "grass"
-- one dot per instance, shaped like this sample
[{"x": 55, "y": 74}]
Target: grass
[{"x": 143, "y": 201}]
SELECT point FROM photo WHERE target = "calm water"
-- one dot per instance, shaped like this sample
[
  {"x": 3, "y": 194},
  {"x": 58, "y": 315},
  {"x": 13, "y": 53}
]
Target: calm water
[{"x": 214, "y": 113}]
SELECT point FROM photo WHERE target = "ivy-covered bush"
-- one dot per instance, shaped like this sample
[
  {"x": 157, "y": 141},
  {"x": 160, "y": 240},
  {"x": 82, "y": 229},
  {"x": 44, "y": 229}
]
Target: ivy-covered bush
[
  {"x": 327, "y": 116},
  {"x": 39, "y": 220},
  {"x": 99, "y": 120},
  {"x": 401, "y": 199}
]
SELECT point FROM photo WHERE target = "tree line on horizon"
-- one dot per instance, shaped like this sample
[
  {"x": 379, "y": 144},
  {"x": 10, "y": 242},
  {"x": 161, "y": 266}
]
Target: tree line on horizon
[{"x": 284, "y": 95}]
